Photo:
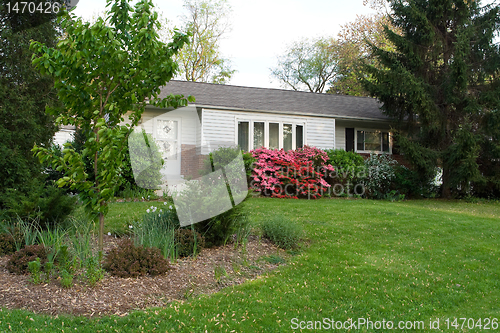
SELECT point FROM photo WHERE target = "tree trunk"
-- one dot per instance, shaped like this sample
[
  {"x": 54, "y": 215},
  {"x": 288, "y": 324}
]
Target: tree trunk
[
  {"x": 445, "y": 187},
  {"x": 101, "y": 232}
]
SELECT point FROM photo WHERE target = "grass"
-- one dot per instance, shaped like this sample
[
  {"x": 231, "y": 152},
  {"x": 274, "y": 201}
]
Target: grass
[
  {"x": 123, "y": 214},
  {"x": 401, "y": 261}
]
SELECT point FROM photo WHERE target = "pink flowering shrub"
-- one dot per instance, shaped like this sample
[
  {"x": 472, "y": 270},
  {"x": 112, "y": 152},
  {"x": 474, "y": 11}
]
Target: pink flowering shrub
[{"x": 290, "y": 174}]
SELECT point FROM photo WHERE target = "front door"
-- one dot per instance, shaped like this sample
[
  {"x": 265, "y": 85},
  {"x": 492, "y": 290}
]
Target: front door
[{"x": 167, "y": 133}]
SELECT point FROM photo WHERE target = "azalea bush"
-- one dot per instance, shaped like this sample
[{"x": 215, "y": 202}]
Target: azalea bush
[{"x": 292, "y": 174}]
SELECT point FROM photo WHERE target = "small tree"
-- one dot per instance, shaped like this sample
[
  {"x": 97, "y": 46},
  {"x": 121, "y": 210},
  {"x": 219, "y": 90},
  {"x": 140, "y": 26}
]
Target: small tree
[{"x": 102, "y": 71}]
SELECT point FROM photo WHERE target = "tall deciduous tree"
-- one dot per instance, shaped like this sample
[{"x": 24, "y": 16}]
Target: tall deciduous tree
[
  {"x": 354, "y": 49},
  {"x": 442, "y": 85},
  {"x": 201, "y": 59},
  {"x": 308, "y": 65},
  {"x": 24, "y": 93},
  {"x": 101, "y": 72}
]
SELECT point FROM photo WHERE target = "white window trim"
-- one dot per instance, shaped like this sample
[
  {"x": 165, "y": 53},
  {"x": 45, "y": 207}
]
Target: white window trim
[
  {"x": 372, "y": 151},
  {"x": 252, "y": 120}
]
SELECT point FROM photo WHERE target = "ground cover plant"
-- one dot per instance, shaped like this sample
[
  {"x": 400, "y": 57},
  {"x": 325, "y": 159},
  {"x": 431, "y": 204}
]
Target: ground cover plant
[{"x": 410, "y": 261}]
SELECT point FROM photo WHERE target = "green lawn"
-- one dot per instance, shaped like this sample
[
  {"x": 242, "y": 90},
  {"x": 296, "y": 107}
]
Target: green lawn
[
  {"x": 402, "y": 261},
  {"x": 123, "y": 214}
]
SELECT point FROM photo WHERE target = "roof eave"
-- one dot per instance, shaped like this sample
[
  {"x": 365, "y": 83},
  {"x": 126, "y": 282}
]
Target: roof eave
[{"x": 290, "y": 113}]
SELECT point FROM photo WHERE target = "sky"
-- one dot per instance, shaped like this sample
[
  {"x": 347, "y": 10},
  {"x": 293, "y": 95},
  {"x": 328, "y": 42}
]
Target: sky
[{"x": 261, "y": 29}]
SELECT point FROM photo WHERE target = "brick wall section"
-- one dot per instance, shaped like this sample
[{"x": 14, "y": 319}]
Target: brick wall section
[{"x": 191, "y": 161}]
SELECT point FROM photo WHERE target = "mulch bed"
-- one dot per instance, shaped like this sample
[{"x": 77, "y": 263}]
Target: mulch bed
[{"x": 113, "y": 295}]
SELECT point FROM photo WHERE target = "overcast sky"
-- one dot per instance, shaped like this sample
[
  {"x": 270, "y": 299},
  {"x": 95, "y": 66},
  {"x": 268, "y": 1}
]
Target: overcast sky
[{"x": 261, "y": 29}]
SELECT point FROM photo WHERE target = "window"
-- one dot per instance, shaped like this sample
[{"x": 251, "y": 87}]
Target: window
[
  {"x": 243, "y": 133},
  {"x": 287, "y": 137},
  {"x": 372, "y": 141},
  {"x": 299, "y": 136},
  {"x": 258, "y": 135},
  {"x": 275, "y": 135}
]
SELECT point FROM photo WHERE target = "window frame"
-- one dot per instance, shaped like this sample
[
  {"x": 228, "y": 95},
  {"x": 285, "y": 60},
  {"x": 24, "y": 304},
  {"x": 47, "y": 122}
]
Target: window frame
[
  {"x": 252, "y": 120},
  {"x": 381, "y": 151}
]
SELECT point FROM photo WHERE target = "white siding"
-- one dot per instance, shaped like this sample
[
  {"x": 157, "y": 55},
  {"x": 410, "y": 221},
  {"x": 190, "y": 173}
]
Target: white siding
[
  {"x": 190, "y": 124},
  {"x": 220, "y": 126},
  {"x": 63, "y": 136},
  {"x": 321, "y": 133},
  {"x": 340, "y": 137}
]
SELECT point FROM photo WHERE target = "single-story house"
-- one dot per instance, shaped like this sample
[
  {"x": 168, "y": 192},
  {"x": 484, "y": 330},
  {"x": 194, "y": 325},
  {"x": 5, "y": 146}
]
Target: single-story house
[{"x": 262, "y": 117}]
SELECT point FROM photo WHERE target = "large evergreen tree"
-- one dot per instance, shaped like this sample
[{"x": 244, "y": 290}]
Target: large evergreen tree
[
  {"x": 442, "y": 85},
  {"x": 24, "y": 93}
]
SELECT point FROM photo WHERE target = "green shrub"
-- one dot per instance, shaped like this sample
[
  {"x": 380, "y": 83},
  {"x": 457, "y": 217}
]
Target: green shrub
[
  {"x": 188, "y": 242},
  {"x": 149, "y": 161},
  {"x": 128, "y": 260},
  {"x": 133, "y": 191},
  {"x": 281, "y": 232},
  {"x": 243, "y": 230},
  {"x": 219, "y": 229},
  {"x": 66, "y": 278},
  {"x": 46, "y": 203},
  {"x": 34, "y": 267},
  {"x": 81, "y": 136},
  {"x": 381, "y": 173},
  {"x": 18, "y": 262},
  {"x": 93, "y": 270},
  {"x": 349, "y": 166},
  {"x": 408, "y": 182},
  {"x": 53, "y": 175},
  {"x": 66, "y": 261},
  {"x": 221, "y": 157},
  {"x": 199, "y": 200}
]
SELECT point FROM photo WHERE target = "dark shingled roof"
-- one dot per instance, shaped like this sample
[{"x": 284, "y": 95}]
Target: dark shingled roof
[{"x": 276, "y": 100}]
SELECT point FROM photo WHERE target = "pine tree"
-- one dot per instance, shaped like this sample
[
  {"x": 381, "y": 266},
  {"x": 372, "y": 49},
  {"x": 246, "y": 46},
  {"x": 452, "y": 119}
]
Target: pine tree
[
  {"x": 442, "y": 86},
  {"x": 24, "y": 93}
]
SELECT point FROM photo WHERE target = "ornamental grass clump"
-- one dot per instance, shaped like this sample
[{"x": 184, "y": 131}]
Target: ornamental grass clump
[
  {"x": 157, "y": 228},
  {"x": 281, "y": 232},
  {"x": 291, "y": 174}
]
